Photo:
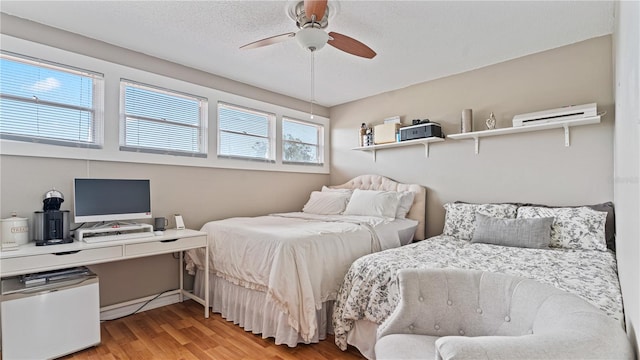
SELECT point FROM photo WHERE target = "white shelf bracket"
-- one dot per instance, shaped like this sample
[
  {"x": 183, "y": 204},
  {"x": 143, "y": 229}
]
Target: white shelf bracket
[
  {"x": 374, "y": 154},
  {"x": 566, "y": 136},
  {"x": 426, "y": 149},
  {"x": 476, "y": 140}
]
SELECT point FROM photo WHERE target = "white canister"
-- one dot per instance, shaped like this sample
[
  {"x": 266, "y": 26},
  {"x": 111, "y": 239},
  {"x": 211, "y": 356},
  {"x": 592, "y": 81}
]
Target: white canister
[{"x": 15, "y": 230}]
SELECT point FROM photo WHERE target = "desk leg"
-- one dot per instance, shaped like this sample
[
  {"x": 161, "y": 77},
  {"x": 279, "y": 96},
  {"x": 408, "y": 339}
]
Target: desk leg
[
  {"x": 206, "y": 281},
  {"x": 181, "y": 277}
]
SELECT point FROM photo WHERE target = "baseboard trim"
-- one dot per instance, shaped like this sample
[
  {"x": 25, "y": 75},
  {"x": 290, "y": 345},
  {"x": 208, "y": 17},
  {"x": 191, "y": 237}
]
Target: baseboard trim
[{"x": 126, "y": 308}]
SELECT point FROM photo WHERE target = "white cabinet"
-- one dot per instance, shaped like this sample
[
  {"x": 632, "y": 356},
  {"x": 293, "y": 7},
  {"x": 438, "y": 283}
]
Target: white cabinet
[{"x": 50, "y": 321}]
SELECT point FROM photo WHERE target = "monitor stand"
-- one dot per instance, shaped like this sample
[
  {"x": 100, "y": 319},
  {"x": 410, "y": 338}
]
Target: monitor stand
[{"x": 114, "y": 227}]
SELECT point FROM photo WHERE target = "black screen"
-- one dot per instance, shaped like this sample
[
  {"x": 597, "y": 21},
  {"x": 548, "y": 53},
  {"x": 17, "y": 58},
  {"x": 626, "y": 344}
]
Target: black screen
[{"x": 111, "y": 197}]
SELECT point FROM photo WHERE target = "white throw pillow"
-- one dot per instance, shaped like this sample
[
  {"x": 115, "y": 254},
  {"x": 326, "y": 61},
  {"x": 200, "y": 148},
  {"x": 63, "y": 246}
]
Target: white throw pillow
[
  {"x": 328, "y": 189},
  {"x": 405, "y": 201},
  {"x": 326, "y": 203},
  {"x": 373, "y": 203}
]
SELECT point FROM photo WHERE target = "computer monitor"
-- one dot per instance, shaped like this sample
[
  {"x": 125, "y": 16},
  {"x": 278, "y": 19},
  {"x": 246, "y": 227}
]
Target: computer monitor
[{"x": 111, "y": 199}]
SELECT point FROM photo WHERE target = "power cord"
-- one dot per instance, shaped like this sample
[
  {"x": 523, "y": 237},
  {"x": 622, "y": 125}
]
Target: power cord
[
  {"x": 140, "y": 308},
  {"x": 81, "y": 225}
]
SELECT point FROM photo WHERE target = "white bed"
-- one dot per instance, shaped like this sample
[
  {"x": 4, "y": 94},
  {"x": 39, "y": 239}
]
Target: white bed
[
  {"x": 278, "y": 275},
  {"x": 585, "y": 267}
]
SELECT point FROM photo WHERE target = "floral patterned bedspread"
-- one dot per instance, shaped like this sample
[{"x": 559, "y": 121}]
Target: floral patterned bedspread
[{"x": 370, "y": 289}]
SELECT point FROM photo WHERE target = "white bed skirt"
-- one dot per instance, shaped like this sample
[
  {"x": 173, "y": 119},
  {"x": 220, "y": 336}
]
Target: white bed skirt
[{"x": 253, "y": 312}]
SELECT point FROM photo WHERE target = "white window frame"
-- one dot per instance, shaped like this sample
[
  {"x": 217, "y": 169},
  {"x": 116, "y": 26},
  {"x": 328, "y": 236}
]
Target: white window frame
[
  {"x": 271, "y": 118},
  {"x": 319, "y": 145},
  {"x": 109, "y": 131},
  {"x": 201, "y": 127},
  {"x": 97, "y": 110}
]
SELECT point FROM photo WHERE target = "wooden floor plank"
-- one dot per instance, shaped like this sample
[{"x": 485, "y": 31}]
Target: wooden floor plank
[{"x": 179, "y": 331}]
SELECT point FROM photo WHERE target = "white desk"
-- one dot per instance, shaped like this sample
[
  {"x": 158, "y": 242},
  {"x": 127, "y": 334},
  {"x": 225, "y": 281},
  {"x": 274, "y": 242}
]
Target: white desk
[{"x": 30, "y": 258}]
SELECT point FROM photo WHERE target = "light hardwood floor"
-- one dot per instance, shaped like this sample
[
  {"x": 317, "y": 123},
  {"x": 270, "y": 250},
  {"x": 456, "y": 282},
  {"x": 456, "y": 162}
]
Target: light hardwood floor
[{"x": 179, "y": 331}]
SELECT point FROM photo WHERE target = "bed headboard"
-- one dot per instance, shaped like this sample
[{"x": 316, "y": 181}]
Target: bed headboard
[{"x": 377, "y": 182}]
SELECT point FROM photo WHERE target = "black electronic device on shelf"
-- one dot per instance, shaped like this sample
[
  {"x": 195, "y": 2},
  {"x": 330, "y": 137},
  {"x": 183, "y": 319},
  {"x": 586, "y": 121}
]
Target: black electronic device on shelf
[{"x": 421, "y": 129}]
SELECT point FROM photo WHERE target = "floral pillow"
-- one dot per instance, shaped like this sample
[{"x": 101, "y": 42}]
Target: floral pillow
[
  {"x": 460, "y": 219},
  {"x": 573, "y": 228}
]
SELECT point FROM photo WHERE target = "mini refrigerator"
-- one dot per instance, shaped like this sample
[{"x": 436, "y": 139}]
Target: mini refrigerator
[{"x": 49, "y": 315}]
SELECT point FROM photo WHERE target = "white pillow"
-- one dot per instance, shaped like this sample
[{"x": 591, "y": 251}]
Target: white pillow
[
  {"x": 328, "y": 189},
  {"x": 326, "y": 203},
  {"x": 373, "y": 203},
  {"x": 405, "y": 201}
]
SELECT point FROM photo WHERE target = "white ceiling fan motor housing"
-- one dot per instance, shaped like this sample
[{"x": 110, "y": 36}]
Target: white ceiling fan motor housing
[{"x": 312, "y": 39}]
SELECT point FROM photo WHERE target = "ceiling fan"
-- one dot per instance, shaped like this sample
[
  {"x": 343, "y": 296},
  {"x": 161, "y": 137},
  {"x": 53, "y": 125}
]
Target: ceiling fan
[{"x": 311, "y": 17}]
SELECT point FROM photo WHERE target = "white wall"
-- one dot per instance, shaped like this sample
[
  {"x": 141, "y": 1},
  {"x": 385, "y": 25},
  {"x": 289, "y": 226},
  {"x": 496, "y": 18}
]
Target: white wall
[
  {"x": 529, "y": 167},
  {"x": 627, "y": 160}
]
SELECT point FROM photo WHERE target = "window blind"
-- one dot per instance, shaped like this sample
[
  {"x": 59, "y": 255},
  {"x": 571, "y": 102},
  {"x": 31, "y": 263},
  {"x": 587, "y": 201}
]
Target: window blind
[
  {"x": 162, "y": 121},
  {"x": 302, "y": 142},
  {"x": 245, "y": 133},
  {"x": 50, "y": 103}
]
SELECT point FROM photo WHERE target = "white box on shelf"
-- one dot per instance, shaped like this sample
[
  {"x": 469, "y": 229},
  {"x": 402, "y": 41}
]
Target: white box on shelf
[
  {"x": 572, "y": 112},
  {"x": 385, "y": 133},
  {"x": 392, "y": 120}
]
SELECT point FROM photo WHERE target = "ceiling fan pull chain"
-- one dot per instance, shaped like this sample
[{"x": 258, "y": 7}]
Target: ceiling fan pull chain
[{"x": 313, "y": 95}]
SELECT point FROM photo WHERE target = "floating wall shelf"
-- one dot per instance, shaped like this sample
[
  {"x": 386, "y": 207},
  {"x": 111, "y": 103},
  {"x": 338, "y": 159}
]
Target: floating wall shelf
[
  {"x": 476, "y": 135},
  {"x": 425, "y": 142}
]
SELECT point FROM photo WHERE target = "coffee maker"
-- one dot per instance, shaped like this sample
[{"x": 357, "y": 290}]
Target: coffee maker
[{"x": 51, "y": 225}]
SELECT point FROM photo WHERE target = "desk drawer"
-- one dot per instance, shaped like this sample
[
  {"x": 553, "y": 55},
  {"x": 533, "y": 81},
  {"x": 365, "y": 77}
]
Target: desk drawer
[
  {"x": 166, "y": 246},
  {"x": 35, "y": 263}
]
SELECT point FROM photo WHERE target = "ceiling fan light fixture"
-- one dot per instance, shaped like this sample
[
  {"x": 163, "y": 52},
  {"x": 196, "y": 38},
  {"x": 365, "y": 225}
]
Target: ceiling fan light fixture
[{"x": 312, "y": 39}]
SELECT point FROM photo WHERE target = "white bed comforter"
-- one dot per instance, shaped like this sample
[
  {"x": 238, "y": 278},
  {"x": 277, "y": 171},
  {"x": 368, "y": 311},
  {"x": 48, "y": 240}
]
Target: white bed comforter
[
  {"x": 299, "y": 260},
  {"x": 370, "y": 288}
]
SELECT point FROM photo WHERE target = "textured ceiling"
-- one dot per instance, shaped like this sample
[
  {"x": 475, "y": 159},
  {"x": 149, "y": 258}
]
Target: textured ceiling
[{"x": 416, "y": 41}]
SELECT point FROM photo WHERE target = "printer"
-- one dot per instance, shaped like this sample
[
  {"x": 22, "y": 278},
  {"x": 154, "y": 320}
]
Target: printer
[{"x": 420, "y": 131}]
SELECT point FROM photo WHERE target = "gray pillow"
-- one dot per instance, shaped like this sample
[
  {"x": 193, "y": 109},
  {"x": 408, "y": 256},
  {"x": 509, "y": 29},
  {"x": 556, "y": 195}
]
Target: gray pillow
[{"x": 525, "y": 233}]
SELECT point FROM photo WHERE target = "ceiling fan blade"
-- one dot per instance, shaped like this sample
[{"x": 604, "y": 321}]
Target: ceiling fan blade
[
  {"x": 315, "y": 7},
  {"x": 350, "y": 45},
  {"x": 269, "y": 41}
]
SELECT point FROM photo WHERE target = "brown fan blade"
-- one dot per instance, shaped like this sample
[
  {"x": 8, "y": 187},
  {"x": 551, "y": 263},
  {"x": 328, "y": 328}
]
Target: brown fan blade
[
  {"x": 269, "y": 41},
  {"x": 315, "y": 7},
  {"x": 350, "y": 45}
]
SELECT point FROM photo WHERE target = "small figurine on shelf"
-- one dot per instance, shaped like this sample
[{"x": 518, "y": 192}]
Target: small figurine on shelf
[{"x": 491, "y": 122}]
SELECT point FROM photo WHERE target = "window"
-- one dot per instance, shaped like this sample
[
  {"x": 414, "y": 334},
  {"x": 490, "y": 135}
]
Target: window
[
  {"x": 162, "y": 121},
  {"x": 50, "y": 103},
  {"x": 245, "y": 133},
  {"x": 302, "y": 142}
]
